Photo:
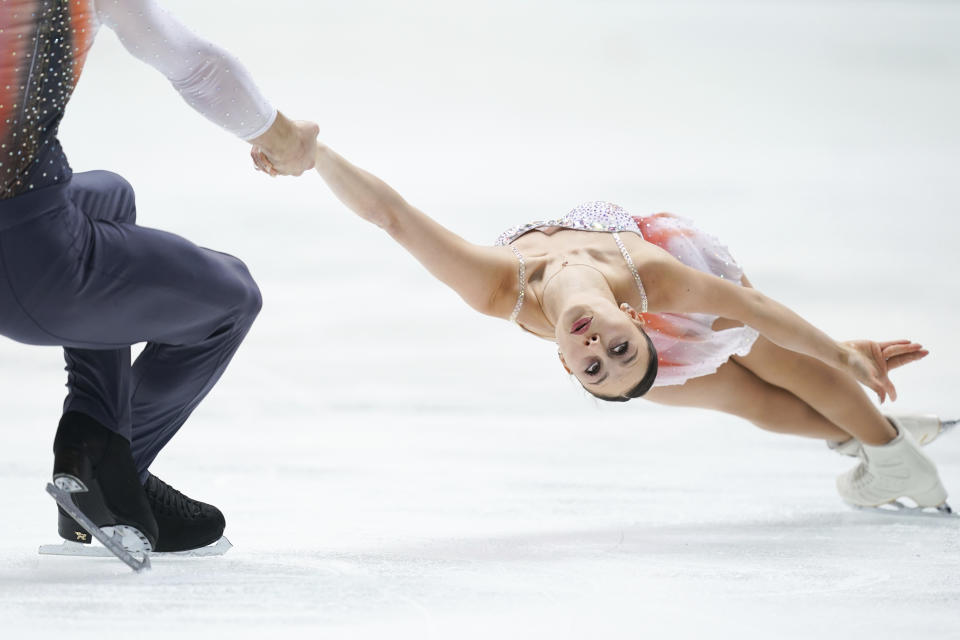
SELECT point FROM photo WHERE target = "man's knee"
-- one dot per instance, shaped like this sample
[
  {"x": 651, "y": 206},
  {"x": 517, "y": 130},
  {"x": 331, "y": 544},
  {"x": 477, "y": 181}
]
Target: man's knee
[{"x": 249, "y": 299}]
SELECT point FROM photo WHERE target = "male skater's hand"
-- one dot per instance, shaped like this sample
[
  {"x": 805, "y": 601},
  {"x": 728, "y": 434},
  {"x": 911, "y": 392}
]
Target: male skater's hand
[{"x": 287, "y": 148}]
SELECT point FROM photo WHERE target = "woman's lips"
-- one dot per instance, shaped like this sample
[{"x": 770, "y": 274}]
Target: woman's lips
[{"x": 581, "y": 325}]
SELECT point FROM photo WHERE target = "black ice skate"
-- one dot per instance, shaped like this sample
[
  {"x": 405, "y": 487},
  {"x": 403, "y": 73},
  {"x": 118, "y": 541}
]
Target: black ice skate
[
  {"x": 98, "y": 491},
  {"x": 185, "y": 524}
]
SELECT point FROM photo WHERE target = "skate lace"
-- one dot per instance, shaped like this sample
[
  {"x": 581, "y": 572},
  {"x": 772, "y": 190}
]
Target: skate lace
[{"x": 169, "y": 500}]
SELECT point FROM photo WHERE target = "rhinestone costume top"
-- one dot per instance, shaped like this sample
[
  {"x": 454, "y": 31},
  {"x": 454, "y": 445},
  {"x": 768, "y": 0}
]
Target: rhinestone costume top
[
  {"x": 687, "y": 346},
  {"x": 44, "y": 43},
  {"x": 589, "y": 216}
]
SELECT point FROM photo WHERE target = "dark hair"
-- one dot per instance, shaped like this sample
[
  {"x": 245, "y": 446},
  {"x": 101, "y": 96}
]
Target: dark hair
[{"x": 646, "y": 382}]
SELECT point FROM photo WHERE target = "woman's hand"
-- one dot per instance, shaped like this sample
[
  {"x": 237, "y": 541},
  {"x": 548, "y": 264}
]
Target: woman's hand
[{"x": 870, "y": 362}]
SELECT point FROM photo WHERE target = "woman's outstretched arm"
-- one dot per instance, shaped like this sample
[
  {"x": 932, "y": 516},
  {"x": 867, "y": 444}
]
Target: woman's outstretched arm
[
  {"x": 485, "y": 277},
  {"x": 690, "y": 291}
]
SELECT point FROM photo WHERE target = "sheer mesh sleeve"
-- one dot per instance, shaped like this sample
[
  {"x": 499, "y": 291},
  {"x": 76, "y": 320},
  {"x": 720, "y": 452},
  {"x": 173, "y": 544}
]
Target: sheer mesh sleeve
[{"x": 210, "y": 80}]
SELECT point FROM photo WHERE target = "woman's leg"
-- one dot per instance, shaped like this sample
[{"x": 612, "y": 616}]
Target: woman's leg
[
  {"x": 833, "y": 393},
  {"x": 736, "y": 390}
]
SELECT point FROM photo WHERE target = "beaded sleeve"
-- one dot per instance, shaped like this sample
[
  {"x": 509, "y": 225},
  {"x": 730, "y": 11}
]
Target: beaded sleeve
[{"x": 208, "y": 78}]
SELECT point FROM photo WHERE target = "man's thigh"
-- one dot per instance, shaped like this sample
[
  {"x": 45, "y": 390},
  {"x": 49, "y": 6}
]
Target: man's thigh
[{"x": 99, "y": 284}]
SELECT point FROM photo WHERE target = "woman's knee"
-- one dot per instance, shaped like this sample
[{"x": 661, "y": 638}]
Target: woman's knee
[{"x": 763, "y": 404}]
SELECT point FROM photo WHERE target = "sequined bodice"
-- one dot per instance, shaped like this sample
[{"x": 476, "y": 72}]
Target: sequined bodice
[
  {"x": 43, "y": 44},
  {"x": 590, "y": 216},
  {"x": 686, "y": 344}
]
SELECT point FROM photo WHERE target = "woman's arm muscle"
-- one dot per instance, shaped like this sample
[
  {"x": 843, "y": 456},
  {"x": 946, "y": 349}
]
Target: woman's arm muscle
[
  {"x": 480, "y": 275},
  {"x": 687, "y": 290}
]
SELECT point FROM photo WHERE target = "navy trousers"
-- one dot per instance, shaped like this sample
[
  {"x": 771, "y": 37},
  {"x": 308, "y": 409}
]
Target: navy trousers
[{"x": 76, "y": 271}]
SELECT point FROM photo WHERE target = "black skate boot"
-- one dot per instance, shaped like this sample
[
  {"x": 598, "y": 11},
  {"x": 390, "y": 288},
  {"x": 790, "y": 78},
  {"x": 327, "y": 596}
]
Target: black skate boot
[
  {"x": 94, "y": 465},
  {"x": 184, "y": 523}
]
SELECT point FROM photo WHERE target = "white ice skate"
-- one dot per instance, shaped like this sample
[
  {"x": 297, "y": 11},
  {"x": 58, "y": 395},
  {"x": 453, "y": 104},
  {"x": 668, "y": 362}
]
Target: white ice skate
[
  {"x": 925, "y": 428},
  {"x": 887, "y": 473}
]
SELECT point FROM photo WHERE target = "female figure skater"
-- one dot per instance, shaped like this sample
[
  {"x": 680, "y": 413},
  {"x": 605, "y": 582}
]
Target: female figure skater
[{"x": 652, "y": 306}]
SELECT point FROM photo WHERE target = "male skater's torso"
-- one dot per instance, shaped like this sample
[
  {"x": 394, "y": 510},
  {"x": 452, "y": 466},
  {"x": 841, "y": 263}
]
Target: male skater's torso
[{"x": 43, "y": 44}]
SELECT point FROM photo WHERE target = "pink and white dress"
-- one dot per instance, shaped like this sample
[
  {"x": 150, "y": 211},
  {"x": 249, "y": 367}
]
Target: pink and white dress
[{"x": 686, "y": 343}]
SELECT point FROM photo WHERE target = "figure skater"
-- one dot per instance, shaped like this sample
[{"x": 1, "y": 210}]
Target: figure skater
[
  {"x": 76, "y": 270},
  {"x": 652, "y": 306}
]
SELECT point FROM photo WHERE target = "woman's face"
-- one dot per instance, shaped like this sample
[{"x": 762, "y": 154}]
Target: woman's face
[{"x": 603, "y": 346}]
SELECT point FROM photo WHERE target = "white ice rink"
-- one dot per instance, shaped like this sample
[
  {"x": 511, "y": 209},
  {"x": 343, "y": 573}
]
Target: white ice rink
[{"x": 392, "y": 465}]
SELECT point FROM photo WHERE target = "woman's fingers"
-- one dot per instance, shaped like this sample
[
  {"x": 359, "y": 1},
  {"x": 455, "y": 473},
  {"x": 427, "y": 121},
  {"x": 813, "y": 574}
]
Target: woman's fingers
[
  {"x": 266, "y": 164},
  {"x": 907, "y": 358},
  {"x": 262, "y": 162},
  {"x": 883, "y": 380},
  {"x": 890, "y": 389},
  {"x": 900, "y": 348},
  {"x": 901, "y": 352},
  {"x": 878, "y": 389},
  {"x": 881, "y": 358},
  {"x": 259, "y": 160},
  {"x": 884, "y": 345},
  {"x": 884, "y": 388}
]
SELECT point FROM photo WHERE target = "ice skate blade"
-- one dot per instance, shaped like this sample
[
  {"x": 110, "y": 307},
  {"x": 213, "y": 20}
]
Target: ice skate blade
[
  {"x": 897, "y": 508},
  {"x": 68, "y": 483},
  {"x": 129, "y": 538},
  {"x": 80, "y": 550},
  {"x": 113, "y": 541}
]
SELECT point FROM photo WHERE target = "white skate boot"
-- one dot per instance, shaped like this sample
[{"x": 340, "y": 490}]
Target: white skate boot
[
  {"x": 925, "y": 428},
  {"x": 892, "y": 471}
]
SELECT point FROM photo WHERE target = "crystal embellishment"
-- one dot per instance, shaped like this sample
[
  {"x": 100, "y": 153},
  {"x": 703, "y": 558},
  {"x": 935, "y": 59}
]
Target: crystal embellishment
[
  {"x": 522, "y": 275},
  {"x": 633, "y": 270},
  {"x": 599, "y": 216}
]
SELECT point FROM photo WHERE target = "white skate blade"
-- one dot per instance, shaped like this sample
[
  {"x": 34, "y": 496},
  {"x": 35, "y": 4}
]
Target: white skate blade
[
  {"x": 80, "y": 550},
  {"x": 897, "y": 508},
  {"x": 113, "y": 543}
]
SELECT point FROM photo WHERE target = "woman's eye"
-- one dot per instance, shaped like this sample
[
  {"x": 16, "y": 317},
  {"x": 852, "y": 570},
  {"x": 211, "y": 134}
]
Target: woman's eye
[
  {"x": 593, "y": 369},
  {"x": 620, "y": 349}
]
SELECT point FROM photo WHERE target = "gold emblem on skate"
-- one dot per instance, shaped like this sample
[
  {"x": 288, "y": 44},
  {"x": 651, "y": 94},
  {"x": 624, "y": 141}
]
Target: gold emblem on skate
[{"x": 81, "y": 536}]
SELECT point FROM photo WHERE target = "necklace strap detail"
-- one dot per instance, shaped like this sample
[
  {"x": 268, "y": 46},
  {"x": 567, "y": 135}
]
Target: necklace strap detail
[
  {"x": 522, "y": 276},
  {"x": 633, "y": 270}
]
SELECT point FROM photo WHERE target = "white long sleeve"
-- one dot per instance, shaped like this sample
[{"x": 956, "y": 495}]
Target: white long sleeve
[{"x": 210, "y": 80}]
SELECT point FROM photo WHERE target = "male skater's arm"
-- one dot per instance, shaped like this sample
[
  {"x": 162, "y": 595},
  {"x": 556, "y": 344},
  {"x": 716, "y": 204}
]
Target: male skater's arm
[{"x": 211, "y": 81}]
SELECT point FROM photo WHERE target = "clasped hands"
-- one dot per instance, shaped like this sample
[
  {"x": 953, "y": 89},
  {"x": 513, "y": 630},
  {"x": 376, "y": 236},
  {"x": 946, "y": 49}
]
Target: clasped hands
[{"x": 288, "y": 148}]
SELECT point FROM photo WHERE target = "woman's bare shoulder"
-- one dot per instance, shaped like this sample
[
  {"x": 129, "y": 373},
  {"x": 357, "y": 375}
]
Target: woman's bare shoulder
[{"x": 663, "y": 277}]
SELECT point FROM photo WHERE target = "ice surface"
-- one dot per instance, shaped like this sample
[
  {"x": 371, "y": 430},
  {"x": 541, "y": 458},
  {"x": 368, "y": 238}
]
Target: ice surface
[{"x": 391, "y": 465}]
